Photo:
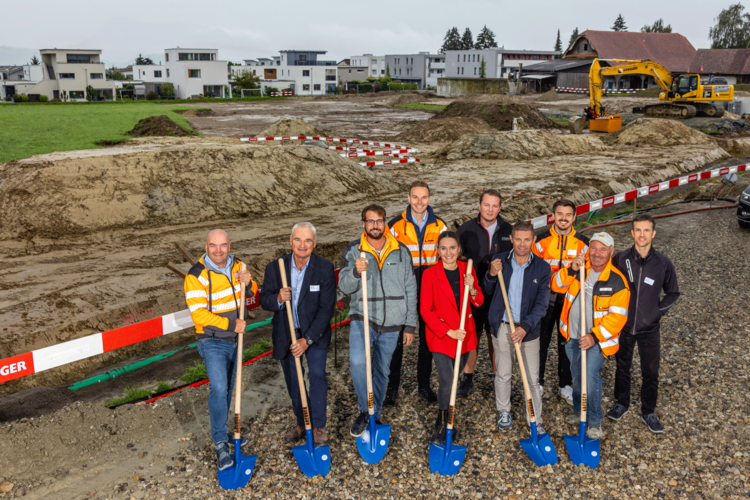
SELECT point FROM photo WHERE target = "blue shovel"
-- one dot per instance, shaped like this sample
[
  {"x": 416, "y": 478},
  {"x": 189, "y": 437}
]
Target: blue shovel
[
  {"x": 539, "y": 448},
  {"x": 446, "y": 459},
  {"x": 238, "y": 475},
  {"x": 581, "y": 449},
  {"x": 373, "y": 444},
  {"x": 311, "y": 460}
]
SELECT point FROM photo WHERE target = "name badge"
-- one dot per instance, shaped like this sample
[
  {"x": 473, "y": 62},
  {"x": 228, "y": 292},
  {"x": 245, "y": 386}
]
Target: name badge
[
  {"x": 314, "y": 288},
  {"x": 572, "y": 252},
  {"x": 648, "y": 281}
]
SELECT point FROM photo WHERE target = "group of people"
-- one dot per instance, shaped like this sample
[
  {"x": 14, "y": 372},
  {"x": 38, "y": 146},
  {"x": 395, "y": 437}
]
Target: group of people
[{"x": 416, "y": 273}]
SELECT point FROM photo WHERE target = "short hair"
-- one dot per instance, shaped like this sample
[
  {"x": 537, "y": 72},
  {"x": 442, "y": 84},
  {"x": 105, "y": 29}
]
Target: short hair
[
  {"x": 644, "y": 217},
  {"x": 491, "y": 192},
  {"x": 373, "y": 208},
  {"x": 419, "y": 184},
  {"x": 562, "y": 202},
  {"x": 522, "y": 226},
  {"x": 306, "y": 225}
]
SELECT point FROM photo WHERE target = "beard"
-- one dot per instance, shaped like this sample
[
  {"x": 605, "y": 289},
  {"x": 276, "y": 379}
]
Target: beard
[{"x": 374, "y": 233}]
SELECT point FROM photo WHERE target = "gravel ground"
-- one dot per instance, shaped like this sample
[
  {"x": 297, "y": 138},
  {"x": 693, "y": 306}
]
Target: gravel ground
[{"x": 703, "y": 405}]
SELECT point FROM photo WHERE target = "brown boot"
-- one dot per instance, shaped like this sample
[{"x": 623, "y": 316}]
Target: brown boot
[
  {"x": 295, "y": 433},
  {"x": 320, "y": 437}
]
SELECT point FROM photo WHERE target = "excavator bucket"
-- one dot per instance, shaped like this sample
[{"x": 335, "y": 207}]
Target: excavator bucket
[
  {"x": 577, "y": 125},
  {"x": 607, "y": 124}
]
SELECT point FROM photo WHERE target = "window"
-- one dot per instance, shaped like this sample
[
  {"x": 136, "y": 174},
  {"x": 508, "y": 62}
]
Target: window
[
  {"x": 382, "y": 72},
  {"x": 97, "y": 76},
  {"x": 194, "y": 73},
  {"x": 360, "y": 71},
  {"x": 350, "y": 71},
  {"x": 67, "y": 76},
  {"x": 78, "y": 58},
  {"x": 305, "y": 72},
  {"x": 305, "y": 86},
  {"x": 412, "y": 60},
  {"x": 206, "y": 56},
  {"x": 330, "y": 78},
  {"x": 167, "y": 73},
  {"x": 464, "y": 57},
  {"x": 475, "y": 70},
  {"x": 585, "y": 47},
  {"x": 303, "y": 57},
  {"x": 317, "y": 86},
  {"x": 536, "y": 57},
  {"x": 374, "y": 72},
  {"x": 76, "y": 94},
  {"x": 458, "y": 58},
  {"x": 166, "y": 56},
  {"x": 157, "y": 74}
]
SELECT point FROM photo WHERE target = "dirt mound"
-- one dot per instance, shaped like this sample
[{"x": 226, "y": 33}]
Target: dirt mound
[
  {"x": 552, "y": 95},
  {"x": 188, "y": 183},
  {"x": 447, "y": 130},
  {"x": 522, "y": 145},
  {"x": 493, "y": 98},
  {"x": 159, "y": 126},
  {"x": 498, "y": 115},
  {"x": 658, "y": 132},
  {"x": 292, "y": 126}
]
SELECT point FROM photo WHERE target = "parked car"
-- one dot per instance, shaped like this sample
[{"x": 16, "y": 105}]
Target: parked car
[{"x": 743, "y": 209}]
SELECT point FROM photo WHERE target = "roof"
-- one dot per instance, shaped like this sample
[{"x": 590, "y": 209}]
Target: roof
[
  {"x": 557, "y": 65},
  {"x": 98, "y": 51},
  {"x": 671, "y": 50},
  {"x": 307, "y": 51},
  {"x": 536, "y": 77},
  {"x": 721, "y": 61}
]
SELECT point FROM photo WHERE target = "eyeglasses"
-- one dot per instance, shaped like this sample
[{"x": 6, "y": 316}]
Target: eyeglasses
[{"x": 375, "y": 222}]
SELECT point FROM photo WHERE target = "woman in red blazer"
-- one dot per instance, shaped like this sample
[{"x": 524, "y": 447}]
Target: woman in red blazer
[{"x": 440, "y": 306}]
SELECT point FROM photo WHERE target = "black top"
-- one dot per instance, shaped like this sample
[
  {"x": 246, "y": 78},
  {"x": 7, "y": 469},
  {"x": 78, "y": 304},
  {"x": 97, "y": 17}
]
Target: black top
[
  {"x": 476, "y": 245},
  {"x": 454, "y": 278}
]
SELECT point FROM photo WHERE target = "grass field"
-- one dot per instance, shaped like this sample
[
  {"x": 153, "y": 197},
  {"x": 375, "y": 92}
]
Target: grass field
[
  {"x": 29, "y": 130},
  {"x": 416, "y": 105}
]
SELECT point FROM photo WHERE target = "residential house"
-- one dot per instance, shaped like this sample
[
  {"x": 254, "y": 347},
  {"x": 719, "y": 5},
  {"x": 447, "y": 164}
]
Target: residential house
[
  {"x": 375, "y": 65},
  {"x": 346, "y": 74},
  {"x": 196, "y": 72},
  {"x": 149, "y": 73},
  {"x": 10, "y": 75},
  {"x": 422, "y": 69},
  {"x": 558, "y": 73},
  {"x": 499, "y": 62},
  {"x": 732, "y": 64}
]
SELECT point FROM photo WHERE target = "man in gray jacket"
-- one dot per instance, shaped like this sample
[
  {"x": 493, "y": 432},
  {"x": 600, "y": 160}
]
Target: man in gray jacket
[{"x": 392, "y": 303}]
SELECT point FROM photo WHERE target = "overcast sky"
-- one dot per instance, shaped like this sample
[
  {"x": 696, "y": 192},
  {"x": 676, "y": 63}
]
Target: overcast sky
[{"x": 251, "y": 29}]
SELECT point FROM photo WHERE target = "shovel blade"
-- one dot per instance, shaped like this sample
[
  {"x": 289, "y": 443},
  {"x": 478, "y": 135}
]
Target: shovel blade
[
  {"x": 239, "y": 474},
  {"x": 311, "y": 460},
  {"x": 446, "y": 459},
  {"x": 583, "y": 450},
  {"x": 373, "y": 444},
  {"x": 539, "y": 448}
]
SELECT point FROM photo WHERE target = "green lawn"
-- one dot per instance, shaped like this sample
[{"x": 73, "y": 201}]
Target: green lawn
[
  {"x": 416, "y": 105},
  {"x": 30, "y": 129}
]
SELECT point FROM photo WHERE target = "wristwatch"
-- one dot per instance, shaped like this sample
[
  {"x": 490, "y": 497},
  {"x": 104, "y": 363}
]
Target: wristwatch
[{"x": 308, "y": 340}]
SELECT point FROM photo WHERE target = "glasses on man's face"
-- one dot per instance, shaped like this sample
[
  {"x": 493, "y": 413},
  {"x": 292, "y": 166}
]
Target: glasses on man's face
[{"x": 375, "y": 222}]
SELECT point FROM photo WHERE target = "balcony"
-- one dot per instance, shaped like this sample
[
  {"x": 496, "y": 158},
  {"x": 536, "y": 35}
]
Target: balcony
[
  {"x": 314, "y": 63},
  {"x": 434, "y": 65}
]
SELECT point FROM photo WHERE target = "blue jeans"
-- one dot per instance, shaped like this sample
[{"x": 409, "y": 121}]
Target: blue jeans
[
  {"x": 220, "y": 358},
  {"x": 382, "y": 347},
  {"x": 594, "y": 362}
]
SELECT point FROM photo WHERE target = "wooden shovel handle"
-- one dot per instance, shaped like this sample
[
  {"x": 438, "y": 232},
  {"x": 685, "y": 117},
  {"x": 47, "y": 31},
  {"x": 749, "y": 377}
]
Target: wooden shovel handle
[
  {"x": 526, "y": 390},
  {"x": 459, "y": 348},
  {"x": 365, "y": 313},
  {"x": 582, "y": 299},
  {"x": 298, "y": 364},
  {"x": 238, "y": 381}
]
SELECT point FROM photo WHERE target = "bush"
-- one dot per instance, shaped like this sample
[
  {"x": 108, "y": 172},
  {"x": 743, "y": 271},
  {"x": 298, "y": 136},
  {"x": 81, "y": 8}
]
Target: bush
[
  {"x": 166, "y": 89},
  {"x": 269, "y": 90},
  {"x": 24, "y": 98},
  {"x": 151, "y": 96},
  {"x": 90, "y": 93},
  {"x": 43, "y": 98}
]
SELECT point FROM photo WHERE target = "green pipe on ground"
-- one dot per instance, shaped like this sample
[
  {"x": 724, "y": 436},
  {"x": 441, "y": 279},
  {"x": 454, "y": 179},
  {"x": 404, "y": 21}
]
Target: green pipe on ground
[{"x": 140, "y": 364}]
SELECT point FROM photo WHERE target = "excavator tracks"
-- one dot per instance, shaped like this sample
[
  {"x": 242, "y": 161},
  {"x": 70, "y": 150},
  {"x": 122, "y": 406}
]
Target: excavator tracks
[{"x": 683, "y": 111}]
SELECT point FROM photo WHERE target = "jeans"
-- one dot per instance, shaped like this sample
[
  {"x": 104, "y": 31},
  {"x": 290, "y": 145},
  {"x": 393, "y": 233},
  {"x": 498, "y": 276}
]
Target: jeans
[
  {"x": 220, "y": 358},
  {"x": 382, "y": 347},
  {"x": 549, "y": 321},
  {"x": 317, "y": 400},
  {"x": 444, "y": 366},
  {"x": 594, "y": 363},
  {"x": 649, "y": 350}
]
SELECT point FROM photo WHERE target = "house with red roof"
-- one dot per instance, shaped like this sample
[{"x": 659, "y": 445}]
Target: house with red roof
[{"x": 732, "y": 64}]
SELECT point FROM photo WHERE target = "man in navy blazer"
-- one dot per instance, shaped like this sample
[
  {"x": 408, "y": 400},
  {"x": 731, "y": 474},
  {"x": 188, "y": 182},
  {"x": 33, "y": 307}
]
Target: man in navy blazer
[{"x": 312, "y": 293}]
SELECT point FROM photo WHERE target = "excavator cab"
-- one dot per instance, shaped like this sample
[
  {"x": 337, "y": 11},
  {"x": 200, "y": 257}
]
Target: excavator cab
[{"x": 683, "y": 85}]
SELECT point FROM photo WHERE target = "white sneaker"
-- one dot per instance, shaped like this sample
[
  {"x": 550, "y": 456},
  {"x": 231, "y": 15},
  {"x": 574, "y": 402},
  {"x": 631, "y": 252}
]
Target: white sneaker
[{"x": 567, "y": 394}]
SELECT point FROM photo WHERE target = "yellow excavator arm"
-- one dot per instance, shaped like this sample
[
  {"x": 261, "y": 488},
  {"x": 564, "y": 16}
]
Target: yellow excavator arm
[{"x": 662, "y": 77}]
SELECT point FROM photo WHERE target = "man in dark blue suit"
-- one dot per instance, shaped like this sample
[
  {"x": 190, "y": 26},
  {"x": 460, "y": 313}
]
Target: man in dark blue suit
[{"x": 312, "y": 293}]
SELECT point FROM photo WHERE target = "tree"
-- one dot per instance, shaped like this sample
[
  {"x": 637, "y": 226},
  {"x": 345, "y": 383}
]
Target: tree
[
  {"x": 143, "y": 61},
  {"x": 483, "y": 68},
  {"x": 558, "y": 43},
  {"x": 388, "y": 71},
  {"x": 619, "y": 24},
  {"x": 246, "y": 80},
  {"x": 573, "y": 37},
  {"x": 34, "y": 61},
  {"x": 485, "y": 39},
  {"x": 90, "y": 93},
  {"x": 467, "y": 40},
  {"x": 732, "y": 29},
  {"x": 452, "y": 41},
  {"x": 166, "y": 89},
  {"x": 657, "y": 27},
  {"x": 115, "y": 75}
]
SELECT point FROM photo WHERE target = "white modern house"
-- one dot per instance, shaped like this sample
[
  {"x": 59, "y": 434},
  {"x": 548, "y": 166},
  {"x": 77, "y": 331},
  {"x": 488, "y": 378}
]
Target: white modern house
[
  {"x": 26, "y": 74},
  {"x": 375, "y": 64},
  {"x": 499, "y": 62},
  {"x": 196, "y": 72},
  {"x": 149, "y": 73},
  {"x": 299, "y": 70}
]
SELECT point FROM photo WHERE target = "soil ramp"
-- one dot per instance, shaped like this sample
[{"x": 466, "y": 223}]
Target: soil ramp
[
  {"x": 447, "y": 130},
  {"x": 658, "y": 132},
  {"x": 292, "y": 126},
  {"x": 498, "y": 115}
]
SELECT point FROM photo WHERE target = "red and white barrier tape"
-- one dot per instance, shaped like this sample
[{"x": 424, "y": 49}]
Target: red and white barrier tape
[
  {"x": 389, "y": 162},
  {"x": 580, "y": 90},
  {"x": 358, "y": 150},
  {"x": 396, "y": 153},
  {"x": 282, "y": 93},
  {"x": 293, "y": 138}
]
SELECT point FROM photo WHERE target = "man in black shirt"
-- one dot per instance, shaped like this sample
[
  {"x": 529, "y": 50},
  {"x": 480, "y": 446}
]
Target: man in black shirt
[{"x": 648, "y": 273}]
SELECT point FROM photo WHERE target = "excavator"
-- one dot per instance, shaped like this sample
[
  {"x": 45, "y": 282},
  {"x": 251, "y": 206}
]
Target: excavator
[{"x": 685, "y": 95}]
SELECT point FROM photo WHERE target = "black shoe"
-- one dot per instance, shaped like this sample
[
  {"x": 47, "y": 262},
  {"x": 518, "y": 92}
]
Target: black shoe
[
  {"x": 438, "y": 433},
  {"x": 391, "y": 395},
  {"x": 653, "y": 423},
  {"x": 360, "y": 425},
  {"x": 466, "y": 385},
  {"x": 428, "y": 394},
  {"x": 230, "y": 437},
  {"x": 223, "y": 456},
  {"x": 617, "y": 412}
]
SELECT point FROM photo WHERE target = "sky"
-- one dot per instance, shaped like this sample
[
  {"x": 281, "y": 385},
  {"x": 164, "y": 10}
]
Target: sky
[{"x": 252, "y": 29}]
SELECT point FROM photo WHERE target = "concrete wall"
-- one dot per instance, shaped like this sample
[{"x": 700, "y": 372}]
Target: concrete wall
[
  {"x": 454, "y": 87},
  {"x": 146, "y": 73}
]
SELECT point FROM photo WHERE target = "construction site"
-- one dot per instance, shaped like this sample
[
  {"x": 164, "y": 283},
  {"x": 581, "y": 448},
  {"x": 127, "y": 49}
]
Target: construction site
[{"x": 95, "y": 240}]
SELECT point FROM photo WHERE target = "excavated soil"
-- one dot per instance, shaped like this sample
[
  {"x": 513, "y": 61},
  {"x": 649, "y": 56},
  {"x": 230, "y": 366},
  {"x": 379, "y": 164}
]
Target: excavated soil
[
  {"x": 551, "y": 95},
  {"x": 657, "y": 132},
  {"x": 159, "y": 126},
  {"x": 446, "y": 130},
  {"x": 292, "y": 126},
  {"x": 175, "y": 186},
  {"x": 498, "y": 115},
  {"x": 521, "y": 145}
]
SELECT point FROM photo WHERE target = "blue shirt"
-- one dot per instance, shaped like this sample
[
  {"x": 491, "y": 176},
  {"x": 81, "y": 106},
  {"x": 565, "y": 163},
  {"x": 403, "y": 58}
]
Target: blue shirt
[
  {"x": 298, "y": 276},
  {"x": 515, "y": 288}
]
